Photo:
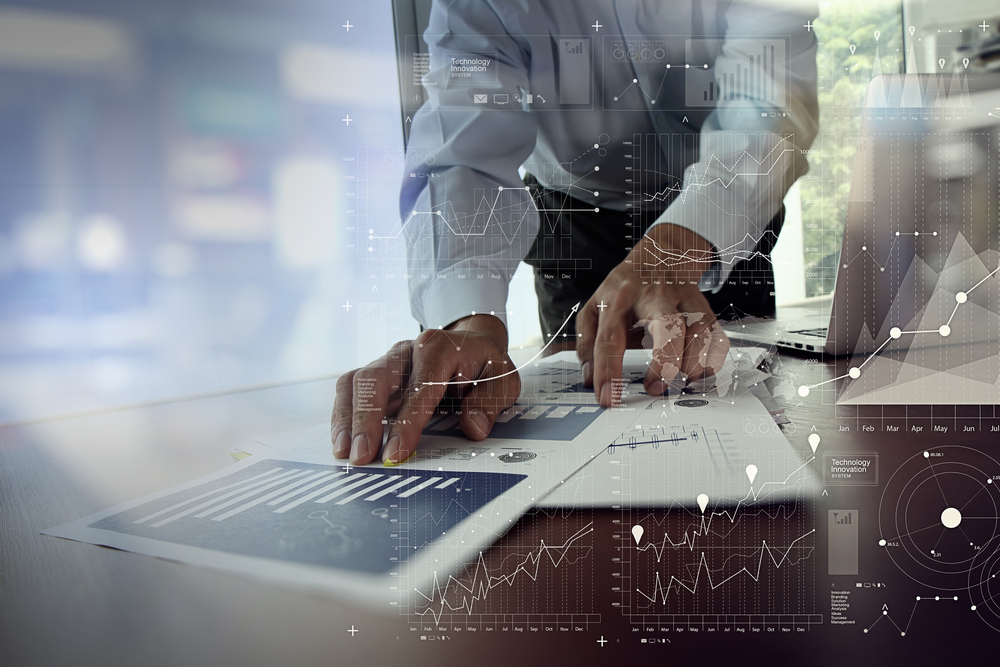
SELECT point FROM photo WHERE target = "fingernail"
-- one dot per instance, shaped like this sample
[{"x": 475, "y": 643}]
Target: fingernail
[
  {"x": 359, "y": 449},
  {"x": 342, "y": 442},
  {"x": 391, "y": 447},
  {"x": 606, "y": 399},
  {"x": 389, "y": 463},
  {"x": 588, "y": 369},
  {"x": 481, "y": 423}
]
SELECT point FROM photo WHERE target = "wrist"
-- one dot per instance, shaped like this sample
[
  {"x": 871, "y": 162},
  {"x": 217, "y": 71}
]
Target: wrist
[
  {"x": 488, "y": 325},
  {"x": 674, "y": 249}
]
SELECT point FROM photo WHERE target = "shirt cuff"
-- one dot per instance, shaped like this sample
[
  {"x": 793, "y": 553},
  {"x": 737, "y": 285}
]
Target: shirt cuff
[{"x": 452, "y": 295}]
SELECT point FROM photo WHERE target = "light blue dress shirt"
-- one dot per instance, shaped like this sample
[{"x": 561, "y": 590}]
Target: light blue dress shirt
[{"x": 625, "y": 105}]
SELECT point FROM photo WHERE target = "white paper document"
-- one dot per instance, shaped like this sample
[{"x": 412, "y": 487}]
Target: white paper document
[
  {"x": 715, "y": 439},
  {"x": 294, "y": 514},
  {"x": 291, "y": 513}
]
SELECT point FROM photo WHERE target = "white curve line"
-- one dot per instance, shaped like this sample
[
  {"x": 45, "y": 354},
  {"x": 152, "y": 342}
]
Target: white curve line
[{"x": 572, "y": 312}]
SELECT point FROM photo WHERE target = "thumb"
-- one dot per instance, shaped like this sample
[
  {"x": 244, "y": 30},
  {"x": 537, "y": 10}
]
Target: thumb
[{"x": 487, "y": 399}]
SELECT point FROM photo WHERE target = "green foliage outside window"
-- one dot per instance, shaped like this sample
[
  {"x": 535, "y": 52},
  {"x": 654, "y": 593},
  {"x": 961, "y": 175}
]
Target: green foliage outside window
[{"x": 843, "y": 77}]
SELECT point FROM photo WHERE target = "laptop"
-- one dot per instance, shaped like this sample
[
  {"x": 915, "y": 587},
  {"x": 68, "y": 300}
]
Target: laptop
[{"x": 923, "y": 196}]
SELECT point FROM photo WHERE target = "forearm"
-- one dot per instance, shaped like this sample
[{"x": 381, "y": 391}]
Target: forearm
[{"x": 675, "y": 250}]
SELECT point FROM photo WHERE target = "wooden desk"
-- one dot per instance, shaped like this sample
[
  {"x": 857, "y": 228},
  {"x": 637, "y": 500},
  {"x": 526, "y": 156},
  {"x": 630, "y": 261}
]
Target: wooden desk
[{"x": 65, "y": 603}]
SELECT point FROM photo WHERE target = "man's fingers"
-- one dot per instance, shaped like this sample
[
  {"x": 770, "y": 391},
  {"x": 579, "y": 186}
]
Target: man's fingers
[
  {"x": 586, "y": 329},
  {"x": 340, "y": 419},
  {"x": 696, "y": 347},
  {"x": 716, "y": 350},
  {"x": 668, "y": 335},
  {"x": 364, "y": 398},
  {"x": 371, "y": 399},
  {"x": 609, "y": 348},
  {"x": 702, "y": 334},
  {"x": 419, "y": 402},
  {"x": 438, "y": 358},
  {"x": 488, "y": 398}
]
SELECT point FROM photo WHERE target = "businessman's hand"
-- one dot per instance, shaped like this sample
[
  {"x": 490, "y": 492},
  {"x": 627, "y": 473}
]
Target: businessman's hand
[
  {"x": 688, "y": 343},
  {"x": 465, "y": 365}
]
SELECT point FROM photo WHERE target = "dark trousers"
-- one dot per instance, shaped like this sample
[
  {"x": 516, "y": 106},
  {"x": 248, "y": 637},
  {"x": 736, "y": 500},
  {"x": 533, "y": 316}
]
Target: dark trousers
[{"x": 576, "y": 249}]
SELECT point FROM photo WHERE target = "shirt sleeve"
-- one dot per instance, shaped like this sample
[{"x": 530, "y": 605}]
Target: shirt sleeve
[
  {"x": 467, "y": 217},
  {"x": 750, "y": 153}
]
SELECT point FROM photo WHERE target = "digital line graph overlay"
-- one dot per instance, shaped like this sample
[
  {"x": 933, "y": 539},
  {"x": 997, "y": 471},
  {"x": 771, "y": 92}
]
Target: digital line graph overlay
[
  {"x": 513, "y": 581},
  {"x": 777, "y": 557},
  {"x": 479, "y": 219},
  {"x": 709, "y": 193},
  {"x": 483, "y": 218},
  {"x": 670, "y": 68},
  {"x": 941, "y": 333},
  {"x": 357, "y": 519},
  {"x": 532, "y": 360},
  {"x": 882, "y": 264},
  {"x": 722, "y": 563},
  {"x": 651, "y": 98},
  {"x": 887, "y": 616}
]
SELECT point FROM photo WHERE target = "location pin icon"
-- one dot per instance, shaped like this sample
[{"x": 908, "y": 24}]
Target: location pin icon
[
  {"x": 965, "y": 61},
  {"x": 878, "y": 34},
  {"x": 637, "y": 533},
  {"x": 814, "y": 441},
  {"x": 912, "y": 30},
  {"x": 751, "y": 473},
  {"x": 702, "y": 502},
  {"x": 941, "y": 63},
  {"x": 853, "y": 49}
]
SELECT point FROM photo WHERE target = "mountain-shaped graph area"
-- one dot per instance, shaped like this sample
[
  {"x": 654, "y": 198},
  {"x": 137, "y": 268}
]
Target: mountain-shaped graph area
[{"x": 923, "y": 366}]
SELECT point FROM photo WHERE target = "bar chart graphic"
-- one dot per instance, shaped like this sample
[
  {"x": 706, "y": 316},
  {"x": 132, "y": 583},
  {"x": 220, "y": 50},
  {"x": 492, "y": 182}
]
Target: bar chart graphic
[
  {"x": 753, "y": 74},
  {"x": 360, "y": 519}
]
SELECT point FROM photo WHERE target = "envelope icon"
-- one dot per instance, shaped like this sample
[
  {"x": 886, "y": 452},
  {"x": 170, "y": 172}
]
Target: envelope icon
[{"x": 480, "y": 98}]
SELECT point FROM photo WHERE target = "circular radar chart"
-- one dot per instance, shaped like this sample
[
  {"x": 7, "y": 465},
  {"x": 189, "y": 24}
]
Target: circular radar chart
[
  {"x": 984, "y": 584},
  {"x": 940, "y": 515}
]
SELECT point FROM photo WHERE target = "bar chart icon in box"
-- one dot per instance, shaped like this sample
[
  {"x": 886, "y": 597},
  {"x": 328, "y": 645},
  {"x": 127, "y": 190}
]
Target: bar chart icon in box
[
  {"x": 575, "y": 71},
  {"x": 753, "y": 74}
]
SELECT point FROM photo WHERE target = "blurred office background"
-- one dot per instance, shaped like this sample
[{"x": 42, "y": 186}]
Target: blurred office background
[
  {"x": 181, "y": 196},
  {"x": 173, "y": 192}
]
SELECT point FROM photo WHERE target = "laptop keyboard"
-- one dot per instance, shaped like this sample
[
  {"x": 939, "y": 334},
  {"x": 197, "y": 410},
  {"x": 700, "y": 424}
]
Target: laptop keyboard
[{"x": 818, "y": 333}]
